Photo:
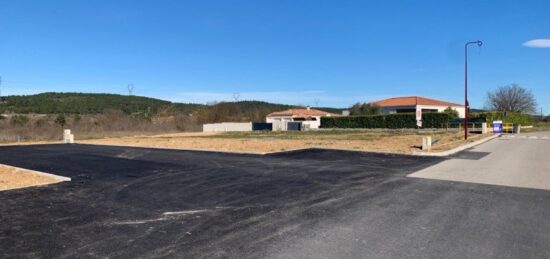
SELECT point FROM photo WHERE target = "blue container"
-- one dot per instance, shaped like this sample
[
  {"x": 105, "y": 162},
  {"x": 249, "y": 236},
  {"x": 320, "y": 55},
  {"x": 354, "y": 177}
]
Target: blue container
[{"x": 497, "y": 126}]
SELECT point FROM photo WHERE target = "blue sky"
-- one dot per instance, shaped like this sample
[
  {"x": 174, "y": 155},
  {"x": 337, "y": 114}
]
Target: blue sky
[{"x": 338, "y": 52}]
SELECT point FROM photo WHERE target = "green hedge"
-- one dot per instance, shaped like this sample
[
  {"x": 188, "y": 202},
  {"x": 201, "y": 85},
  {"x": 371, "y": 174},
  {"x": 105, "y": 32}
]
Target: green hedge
[
  {"x": 390, "y": 121},
  {"x": 516, "y": 118}
]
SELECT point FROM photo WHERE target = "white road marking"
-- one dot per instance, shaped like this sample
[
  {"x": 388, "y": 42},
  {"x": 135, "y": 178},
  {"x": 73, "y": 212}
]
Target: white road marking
[{"x": 184, "y": 212}]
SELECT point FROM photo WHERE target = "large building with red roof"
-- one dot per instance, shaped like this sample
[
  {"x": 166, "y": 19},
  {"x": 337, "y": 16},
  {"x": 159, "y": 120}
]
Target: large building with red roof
[{"x": 412, "y": 103}]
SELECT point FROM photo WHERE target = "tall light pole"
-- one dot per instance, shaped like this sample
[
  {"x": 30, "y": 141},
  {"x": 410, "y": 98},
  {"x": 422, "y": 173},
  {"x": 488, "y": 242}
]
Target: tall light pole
[{"x": 466, "y": 104}]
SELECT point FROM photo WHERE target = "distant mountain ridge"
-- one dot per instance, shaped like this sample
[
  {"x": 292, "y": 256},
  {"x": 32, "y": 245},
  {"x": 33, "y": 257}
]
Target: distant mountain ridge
[{"x": 96, "y": 103}]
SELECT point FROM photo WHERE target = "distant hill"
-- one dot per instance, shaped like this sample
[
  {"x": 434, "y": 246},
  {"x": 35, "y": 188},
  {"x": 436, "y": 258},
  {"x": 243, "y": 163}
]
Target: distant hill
[
  {"x": 85, "y": 103},
  {"x": 92, "y": 103}
]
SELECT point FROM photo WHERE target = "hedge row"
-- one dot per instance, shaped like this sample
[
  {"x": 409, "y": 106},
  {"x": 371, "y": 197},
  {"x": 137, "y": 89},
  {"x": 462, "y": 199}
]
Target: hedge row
[
  {"x": 390, "y": 121},
  {"x": 516, "y": 118}
]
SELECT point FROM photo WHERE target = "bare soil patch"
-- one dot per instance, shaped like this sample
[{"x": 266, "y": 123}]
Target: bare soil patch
[
  {"x": 14, "y": 178},
  {"x": 261, "y": 142}
]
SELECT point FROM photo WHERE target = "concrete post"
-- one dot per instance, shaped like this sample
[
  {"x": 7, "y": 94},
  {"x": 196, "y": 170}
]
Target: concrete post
[
  {"x": 517, "y": 128},
  {"x": 68, "y": 138},
  {"x": 483, "y": 127},
  {"x": 426, "y": 143}
]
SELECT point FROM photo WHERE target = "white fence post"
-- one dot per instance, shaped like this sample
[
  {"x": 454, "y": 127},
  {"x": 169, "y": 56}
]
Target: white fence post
[
  {"x": 426, "y": 143},
  {"x": 68, "y": 138}
]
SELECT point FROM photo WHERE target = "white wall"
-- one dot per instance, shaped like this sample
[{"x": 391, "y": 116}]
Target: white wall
[
  {"x": 313, "y": 124},
  {"x": 460, "y": 110},
  {"x": 227, "y": 126},
  {"x": 280, "y": 122},
  {"x": 392, "y": 110}
]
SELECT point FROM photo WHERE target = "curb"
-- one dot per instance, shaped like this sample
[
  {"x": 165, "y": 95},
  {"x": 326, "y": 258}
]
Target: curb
[{"x": 457, "y": 149}]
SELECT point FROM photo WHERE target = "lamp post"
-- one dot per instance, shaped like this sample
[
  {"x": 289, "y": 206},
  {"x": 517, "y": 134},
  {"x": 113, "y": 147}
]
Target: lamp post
[{"x": 466, "y": 104}]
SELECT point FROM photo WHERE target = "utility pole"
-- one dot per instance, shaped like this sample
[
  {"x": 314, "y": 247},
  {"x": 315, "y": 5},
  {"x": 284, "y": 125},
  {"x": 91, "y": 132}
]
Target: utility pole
[
  {"x": 466, "y": 104},
  {"x": 130, "y": 89},
  {"x": 0, "y": 88}
]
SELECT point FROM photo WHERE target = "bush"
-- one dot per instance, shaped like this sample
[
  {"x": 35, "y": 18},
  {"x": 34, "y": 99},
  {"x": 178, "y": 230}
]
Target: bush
[
  {"x": 516, "y": 118},
  {"x": 452, "y": 112},
  {"x": 390, "y": 121},
  {"x": 436, "y": 120},
  {"x": 61, "y": 120}
]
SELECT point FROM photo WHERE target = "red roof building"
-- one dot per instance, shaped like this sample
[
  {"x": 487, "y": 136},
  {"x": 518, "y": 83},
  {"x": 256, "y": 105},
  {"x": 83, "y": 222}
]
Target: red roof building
[{"x": 411, "y": 103}]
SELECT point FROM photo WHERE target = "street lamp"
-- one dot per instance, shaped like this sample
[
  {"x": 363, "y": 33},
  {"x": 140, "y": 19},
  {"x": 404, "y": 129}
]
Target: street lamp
[{"x": 466, "y": 104}]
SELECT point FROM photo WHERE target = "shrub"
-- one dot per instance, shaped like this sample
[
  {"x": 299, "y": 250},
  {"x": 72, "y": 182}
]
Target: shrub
[
  {"x": 516, "y": 118},
  {"x": 453, "y": 114},
  {"x": 436, "y": 120},
  {"x": 61, "y": 120}
]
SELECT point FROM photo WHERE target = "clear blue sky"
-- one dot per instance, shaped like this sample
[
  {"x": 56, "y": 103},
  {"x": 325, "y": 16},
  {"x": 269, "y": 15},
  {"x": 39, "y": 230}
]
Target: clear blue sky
[{"x": 339, "y": 52}]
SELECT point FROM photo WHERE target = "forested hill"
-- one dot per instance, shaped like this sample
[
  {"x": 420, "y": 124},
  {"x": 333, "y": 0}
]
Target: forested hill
[
  {"x": 88, "y": 103},
  {"x": 82, "y": 103}
]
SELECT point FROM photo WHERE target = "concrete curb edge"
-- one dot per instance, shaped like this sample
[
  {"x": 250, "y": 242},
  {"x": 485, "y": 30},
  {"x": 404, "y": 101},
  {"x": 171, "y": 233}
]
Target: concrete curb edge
[{"x": 457, "y": 149}]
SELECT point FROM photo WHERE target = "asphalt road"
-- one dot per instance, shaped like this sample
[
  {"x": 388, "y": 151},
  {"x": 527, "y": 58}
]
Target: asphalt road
[{"x": 132, "y": 202}]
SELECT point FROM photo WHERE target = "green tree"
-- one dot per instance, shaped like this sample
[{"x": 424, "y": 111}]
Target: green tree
[
  {"x": 453, "y": 114},
  {"x": 364, "y": 109}
]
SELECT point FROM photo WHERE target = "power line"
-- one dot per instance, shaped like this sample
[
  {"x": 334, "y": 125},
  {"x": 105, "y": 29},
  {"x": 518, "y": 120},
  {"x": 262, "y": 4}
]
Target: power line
[{"x": 130, "y": 89}]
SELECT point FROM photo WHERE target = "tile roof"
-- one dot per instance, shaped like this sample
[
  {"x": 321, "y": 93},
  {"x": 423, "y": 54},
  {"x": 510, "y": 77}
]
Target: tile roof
[
  {"x": 413, "y": 101},
  {"x": 301, "y": 113}
]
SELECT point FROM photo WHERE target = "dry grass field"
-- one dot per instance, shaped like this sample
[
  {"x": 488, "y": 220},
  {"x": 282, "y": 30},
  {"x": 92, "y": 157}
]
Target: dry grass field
[{"x": 263, "y": 142}]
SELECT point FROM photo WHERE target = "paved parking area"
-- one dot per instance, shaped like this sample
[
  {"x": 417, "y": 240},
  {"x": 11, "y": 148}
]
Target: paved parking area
[{"x": 135, "y": 202}]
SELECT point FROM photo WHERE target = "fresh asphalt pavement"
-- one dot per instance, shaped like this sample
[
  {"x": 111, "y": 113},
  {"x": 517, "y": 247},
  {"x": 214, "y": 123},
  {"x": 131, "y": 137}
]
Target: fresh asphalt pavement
[{"x": 137, "y": 202}]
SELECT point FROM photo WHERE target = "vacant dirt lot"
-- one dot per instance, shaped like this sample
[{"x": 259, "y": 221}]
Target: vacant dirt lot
[
  {"x": 396, "y": 141},
  {"x": 13, "y": 178}
]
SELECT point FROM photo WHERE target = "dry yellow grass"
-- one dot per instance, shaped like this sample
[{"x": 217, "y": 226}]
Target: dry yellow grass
[
  {"x": 395, "y": 142},
  {"x": 14, "y": 178}
]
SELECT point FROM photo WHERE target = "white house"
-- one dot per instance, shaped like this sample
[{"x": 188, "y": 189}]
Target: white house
[
  {"x": 310, "y": 118},
  {"x": 410, "y": 104}
]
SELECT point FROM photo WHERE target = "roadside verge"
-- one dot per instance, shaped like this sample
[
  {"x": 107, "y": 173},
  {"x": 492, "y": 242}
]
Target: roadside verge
[{"x": 12, "y": 177}]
